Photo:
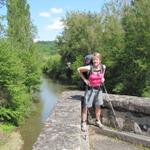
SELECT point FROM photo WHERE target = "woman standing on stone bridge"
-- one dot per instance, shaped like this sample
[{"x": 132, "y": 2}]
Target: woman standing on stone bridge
[{"x": 93, "y": 93}]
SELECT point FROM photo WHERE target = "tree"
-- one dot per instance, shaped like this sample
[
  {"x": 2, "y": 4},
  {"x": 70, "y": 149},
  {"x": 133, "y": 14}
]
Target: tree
[
  {"x": 2, "y": 17},
  {"x": 121, "y": 33},
  {"x": 19, "y": 66},
  {"x": 113, "y": 43},
  {"x": 14, "y": 98},
  {"x": 20, "y": 34},
  {"x": 82, "y": 35},
  {"x": 19, "y": 24},
  {"x": 136, "y": 77}
]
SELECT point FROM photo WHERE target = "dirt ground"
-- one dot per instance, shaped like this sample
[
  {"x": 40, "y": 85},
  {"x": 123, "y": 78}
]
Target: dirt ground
[{"x": 11, "y": 141}]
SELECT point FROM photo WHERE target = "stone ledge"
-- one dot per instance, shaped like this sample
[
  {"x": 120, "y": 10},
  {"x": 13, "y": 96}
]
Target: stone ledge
[
  {"x": 125, "y": 136},
  {"x": 129, "y": 103},
  {"x": 62, "y": 130}
]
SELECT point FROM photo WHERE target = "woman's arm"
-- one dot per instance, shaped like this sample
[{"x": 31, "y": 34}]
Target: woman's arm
[{"x": 81, "y": 70}]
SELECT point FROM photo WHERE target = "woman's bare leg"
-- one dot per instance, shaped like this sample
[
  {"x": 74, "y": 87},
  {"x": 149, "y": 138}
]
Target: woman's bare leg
[
  {"x": 84, "y": 119},
  {"x": 97, "y": 112},
  {"x": 84, "y": 114}
]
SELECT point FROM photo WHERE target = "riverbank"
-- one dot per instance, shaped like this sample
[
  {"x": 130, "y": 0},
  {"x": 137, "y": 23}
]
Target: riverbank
[
  {"x": 47, "y": 97},
  {"x": 10, "y": 138}
]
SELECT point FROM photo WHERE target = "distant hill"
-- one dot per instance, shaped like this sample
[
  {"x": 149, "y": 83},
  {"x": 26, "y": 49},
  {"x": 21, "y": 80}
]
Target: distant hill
[{"x": 46, "y": 47}]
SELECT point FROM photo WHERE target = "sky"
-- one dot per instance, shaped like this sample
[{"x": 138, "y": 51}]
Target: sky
[{"x": 46, "y": 14}]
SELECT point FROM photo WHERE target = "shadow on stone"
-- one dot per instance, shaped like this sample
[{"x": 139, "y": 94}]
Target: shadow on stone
[{"x": 76, "y": 97}]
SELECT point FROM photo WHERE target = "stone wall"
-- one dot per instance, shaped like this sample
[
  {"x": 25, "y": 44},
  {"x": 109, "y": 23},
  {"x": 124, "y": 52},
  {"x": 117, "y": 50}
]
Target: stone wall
[
  {"x": 132, "y": 113},
  {"x": 62, "y": 128},
  {"x": 129, "y": 103}
]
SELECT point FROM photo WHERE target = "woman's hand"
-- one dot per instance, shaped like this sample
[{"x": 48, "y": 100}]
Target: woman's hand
[
  {"x": 103, "y": 80},
  {"x": 87, "y": 82}
]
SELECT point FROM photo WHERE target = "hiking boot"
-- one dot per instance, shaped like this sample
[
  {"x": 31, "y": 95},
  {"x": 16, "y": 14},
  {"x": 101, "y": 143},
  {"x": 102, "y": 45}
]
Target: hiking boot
[
  {"x": 84, "y": 126},
  {"x": 99, "y": 124}
]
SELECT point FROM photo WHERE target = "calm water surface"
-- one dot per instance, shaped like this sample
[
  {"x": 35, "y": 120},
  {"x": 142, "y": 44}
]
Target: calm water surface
[{"x": 48, "y": 96}]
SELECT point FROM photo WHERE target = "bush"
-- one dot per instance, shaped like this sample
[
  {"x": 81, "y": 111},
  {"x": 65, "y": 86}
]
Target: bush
[
  {"x": 54, "y": 66},
  {"x": 12, "y": 78}
]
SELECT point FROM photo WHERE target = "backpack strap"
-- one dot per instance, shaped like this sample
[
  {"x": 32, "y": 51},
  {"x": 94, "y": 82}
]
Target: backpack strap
[
  {"x": 91, "y": 69},
  {"x": 102, "y": 67}
]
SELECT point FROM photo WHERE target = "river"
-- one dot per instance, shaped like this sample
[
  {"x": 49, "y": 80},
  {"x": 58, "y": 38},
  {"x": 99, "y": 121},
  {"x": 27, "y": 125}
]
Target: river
[{"x": 48, "y": 95}]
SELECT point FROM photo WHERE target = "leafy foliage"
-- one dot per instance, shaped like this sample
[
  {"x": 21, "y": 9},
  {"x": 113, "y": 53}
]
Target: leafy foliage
[
  {"x": 19, "y": 24},
  {"x": 46, "y": 47},
  {"x": 20, "y": 69},
  {"x": 12, "y": 78},
  {"x": 136, "y": 54},
  {"x": 121, "y": 33},
  {"x": 53, "y": 66},
  {"x": 20, "y": 34},
  {"x": 49, "y": 57},
  {"x": 80, "y": 35}
]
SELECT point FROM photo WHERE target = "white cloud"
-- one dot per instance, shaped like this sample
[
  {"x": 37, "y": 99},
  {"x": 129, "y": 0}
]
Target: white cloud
[
  {"x": 56, "y": 10},
  {"x": 36, "y": 39},
  {"x": 52, "y": 11},
  {"x": 44, "y": 14},
  {"x": 56, "y": 25}
]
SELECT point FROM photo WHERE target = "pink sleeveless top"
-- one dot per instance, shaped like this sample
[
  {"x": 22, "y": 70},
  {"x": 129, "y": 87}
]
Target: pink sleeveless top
[{"x": 96, "y": 78}]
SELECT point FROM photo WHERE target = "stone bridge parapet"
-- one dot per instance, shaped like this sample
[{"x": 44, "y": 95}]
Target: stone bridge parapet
[{"x": 62, "y": 129}]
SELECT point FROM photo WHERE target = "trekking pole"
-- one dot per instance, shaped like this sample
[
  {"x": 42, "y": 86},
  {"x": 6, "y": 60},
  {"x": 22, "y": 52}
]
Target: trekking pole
[{"x": 111, "y": 106}]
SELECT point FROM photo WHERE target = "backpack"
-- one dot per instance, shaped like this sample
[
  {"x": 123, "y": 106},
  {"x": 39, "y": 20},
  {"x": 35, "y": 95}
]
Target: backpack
[{"x": 88, "y": 61}]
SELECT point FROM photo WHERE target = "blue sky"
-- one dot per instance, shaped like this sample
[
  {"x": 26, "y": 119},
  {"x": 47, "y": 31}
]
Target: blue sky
[{"x": 46, "y": 14}]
